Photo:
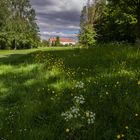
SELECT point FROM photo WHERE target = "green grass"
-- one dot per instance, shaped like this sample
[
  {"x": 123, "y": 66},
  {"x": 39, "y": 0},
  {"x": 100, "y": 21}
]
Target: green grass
[{"x": 37, "y": 86}]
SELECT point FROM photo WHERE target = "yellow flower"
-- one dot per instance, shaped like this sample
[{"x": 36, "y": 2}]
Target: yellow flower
[
  {"x": 126, "y": 127},
  {"x": 122, "y": 135},
  {"x": 139, "y": 82},
  {"x": 117, "y": 83},
  {"x": 87, "y": 114},
  {"x": 67, "y": 130},
  {"x": 118, "y": 136},
  {"x": 107, "y": 93},
  {"x": 136, "y": 115}
]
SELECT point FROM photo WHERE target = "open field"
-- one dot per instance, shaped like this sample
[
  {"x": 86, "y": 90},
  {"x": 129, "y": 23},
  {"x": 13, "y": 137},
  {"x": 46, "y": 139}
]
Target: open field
[{"x": 70, "y": 94}]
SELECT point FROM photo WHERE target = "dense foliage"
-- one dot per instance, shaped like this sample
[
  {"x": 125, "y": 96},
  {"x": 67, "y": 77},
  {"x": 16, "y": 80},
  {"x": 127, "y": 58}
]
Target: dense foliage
[
  {"x": 87, "y": 36},
  {"x": 18, "y": 28},
  {"x": 57, "y": 42},
  {"x": 113, "y": 20}
]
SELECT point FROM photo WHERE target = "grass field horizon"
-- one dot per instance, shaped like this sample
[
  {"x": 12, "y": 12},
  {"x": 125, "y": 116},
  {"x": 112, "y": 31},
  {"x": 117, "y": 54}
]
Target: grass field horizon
[{"x": 70, "y": 93}]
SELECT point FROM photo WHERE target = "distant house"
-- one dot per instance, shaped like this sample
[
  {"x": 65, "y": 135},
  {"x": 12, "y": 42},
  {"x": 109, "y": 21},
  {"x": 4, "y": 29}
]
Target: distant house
[{"x": 63, "y": 41}]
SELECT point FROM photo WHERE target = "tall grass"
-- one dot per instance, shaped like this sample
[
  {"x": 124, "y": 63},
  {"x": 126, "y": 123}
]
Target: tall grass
[{"x": 37, "y": 87}]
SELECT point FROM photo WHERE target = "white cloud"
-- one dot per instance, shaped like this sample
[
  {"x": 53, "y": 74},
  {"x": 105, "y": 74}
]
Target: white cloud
[
  {"x": 58, "y": 34},
  {"x": 58, "y": 15}
]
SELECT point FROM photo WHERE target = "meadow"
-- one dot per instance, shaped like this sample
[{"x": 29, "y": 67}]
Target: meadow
[{"x": 70, "y": 93}]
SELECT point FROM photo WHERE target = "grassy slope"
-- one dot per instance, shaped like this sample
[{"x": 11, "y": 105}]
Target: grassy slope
[{"x": 32, "y": 97}]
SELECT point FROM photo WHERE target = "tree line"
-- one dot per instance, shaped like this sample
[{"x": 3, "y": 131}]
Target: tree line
[
  {"x": 18, "y": 28},
  {"x": 110, "y": 21}
]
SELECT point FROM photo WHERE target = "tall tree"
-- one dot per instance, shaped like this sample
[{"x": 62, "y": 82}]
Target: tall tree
[
  {"x": 113, "y": 20},
  {"x": 87, "y": 37},
  {"x": 87, "y": 33},
  {"x": 57, "y": 42},
  {"x": 20, "y": 26},
  {"x": 126, "y": 16}
]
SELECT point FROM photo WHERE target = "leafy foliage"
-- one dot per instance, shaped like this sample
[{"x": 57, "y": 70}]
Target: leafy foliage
[
  {"x": 114, "y": 20},
  {"x": 87, "y": 36},
  {"x": 57, "y": 42},
  {"x": 18, "y": 28}
]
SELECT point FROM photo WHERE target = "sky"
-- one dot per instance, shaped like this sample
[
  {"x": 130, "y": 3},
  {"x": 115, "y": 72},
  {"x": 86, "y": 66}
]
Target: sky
[{"x": 58, "y": 17}]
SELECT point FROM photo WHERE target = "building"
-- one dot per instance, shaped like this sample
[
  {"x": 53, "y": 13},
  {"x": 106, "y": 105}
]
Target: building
[{"x": 63, "y": 41}]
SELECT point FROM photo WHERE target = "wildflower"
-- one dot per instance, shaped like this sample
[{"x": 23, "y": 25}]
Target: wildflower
[
  {"x": 118, "y": 136},
  {"x": 126, "y": 127},
  {"x": 72, "y": 113},
  {"x": 79, "y": 99},
  {"x": 126, "y": 93},
  {"x": 122, "y": 135},
  {"x": 91, "y": 118},
  {"x": 139, "y": 82},
  {"x": 79, "y": 84},
  {"x": 136, "y": 115},
  {"x": 107, "y": 93},
  {"x": 87, "y": 114},
  {"x": 67, "y": 130},
  {"x": 117, "y": 83}
]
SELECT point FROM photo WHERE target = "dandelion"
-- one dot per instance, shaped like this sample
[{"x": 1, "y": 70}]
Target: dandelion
[
  {"x": 126, "y": 127},
  {"x": 122, "y": 135},
  {"x": 89, "y": 81},
  {"x": 67, "y": 130},
  {"x": 107, "y": 93},
  {"x": 117, "y": 83},
  {"x": 139, "y": 82},
  {"x": 118, "y": 136},
  {"x": 136, "y": 115},
  {"x": 126, "y": 93},
  {"x": 87, "y": 114}
]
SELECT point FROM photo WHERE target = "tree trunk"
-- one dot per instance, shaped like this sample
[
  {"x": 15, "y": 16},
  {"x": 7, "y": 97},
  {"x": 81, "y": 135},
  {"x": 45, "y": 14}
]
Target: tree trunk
[{"x": 15, "y": 47}]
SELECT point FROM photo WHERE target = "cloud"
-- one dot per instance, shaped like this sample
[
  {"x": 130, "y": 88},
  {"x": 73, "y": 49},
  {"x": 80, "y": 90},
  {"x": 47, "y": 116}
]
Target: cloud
[
  {"x": 55, "y": 16},
  {"x": 59, "y": 34}
]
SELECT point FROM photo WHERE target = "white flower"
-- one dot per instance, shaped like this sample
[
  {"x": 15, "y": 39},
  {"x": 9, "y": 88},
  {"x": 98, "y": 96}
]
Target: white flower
[
  {"x": 91, "y": 118},
  {"x": 72, "y": 113},
  {"x": 75, "y": 112},
  {"x": 79, "y": 99},
  {"x": 79, "y": 84}
]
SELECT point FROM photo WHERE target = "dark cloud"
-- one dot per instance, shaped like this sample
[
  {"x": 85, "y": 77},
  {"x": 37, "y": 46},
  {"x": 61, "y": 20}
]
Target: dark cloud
[{"x": 57, "y": 16}]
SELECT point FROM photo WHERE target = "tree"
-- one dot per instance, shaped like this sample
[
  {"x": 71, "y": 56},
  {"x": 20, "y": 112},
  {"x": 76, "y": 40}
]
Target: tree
[
  {"x": 87, "y": 33},
  {"x": 131, "y": 9},
  {"x": 87, "y": 36},
  {"x": 120, "y": 22},
  {"x": 45, "y": 43},
  {"x": 57, "y": 42},
  {"x": 113, "y": 20},
  {"x": 20, "y": 26},
  {"x": 4, "y": 12}
]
